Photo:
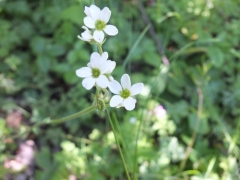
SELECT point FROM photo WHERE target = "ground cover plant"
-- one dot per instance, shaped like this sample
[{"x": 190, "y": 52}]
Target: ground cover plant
[{"x": 185, "y": 124}]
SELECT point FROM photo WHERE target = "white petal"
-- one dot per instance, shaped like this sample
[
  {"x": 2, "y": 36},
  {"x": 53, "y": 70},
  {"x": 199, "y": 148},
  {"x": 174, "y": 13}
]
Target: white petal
[
  {"x": 98, "y": 36},
  {"x": 110, "y": 78},
  {"x": 95, "y": 60},
  {"x": 95, "y": 12},
  {"x": 105, "y": 14},
  {"x": 88, "y": 82},
  {"x": 126, "y": 82},
  {"x": 104, "y": 67},
  {"x": 116, "y": 100},
  {"x": 104, "y": 56},
  {"x": 120, "y": 105},
  {"x": 87, "y": 11},
  {"x": 86, "y": 36},
  {"x": 86, "y": 29},
  {"x": 95, "y": 56},
  {"x": 114, "y": 87},
  {"x": 111, "y": 30},
  {"x": 136, "y": 88},
  {"x": 89, "y": 22},
  {"x": 83, "y": 39},
  {"x": 129, "y": 103},
  {"x": 84, "y": 72},
  {"x": 111, "y": 65},
  {"x": 102, "y": 81}
]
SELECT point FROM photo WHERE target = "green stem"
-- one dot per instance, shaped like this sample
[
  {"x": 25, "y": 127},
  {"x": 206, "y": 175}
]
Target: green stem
[
  {"x": 119, "y": 148},
  {"x": 100, "y": 48},
  {"x": 56, "y": 121},
  {"x": 98, "y": 91},
  {"x": 73, "y": 116},
  {"x": 119, "y": 130}
]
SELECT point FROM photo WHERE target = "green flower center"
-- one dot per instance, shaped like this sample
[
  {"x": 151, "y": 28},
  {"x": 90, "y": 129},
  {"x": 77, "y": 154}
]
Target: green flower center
[
  {"x": 125, "y": 93},
  {"x": 100, "y": 25},
  {"x": 95, "y": 72}
]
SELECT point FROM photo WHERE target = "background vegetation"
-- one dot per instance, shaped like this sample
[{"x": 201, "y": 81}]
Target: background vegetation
[{"x": 197, "y": 138}]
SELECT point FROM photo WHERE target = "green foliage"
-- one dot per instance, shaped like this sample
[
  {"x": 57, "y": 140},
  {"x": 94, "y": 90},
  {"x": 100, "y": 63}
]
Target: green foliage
[{"x": 40, "y": 52}]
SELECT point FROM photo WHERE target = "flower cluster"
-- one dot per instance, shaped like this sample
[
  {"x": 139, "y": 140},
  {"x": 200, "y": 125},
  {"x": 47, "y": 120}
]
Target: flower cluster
[
  {"x": 98, "y": 70},
  {"x": 97, "y": 19}
]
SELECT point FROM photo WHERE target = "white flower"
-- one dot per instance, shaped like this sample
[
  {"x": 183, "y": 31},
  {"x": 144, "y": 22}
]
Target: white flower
[
  {"x": 124, "y": 93},
  {"x": 104, "y": 57},
  {"x": 86, "y": 35},
  {"x": 97, "y": 19},
  {"x": 97, "y": 71}
]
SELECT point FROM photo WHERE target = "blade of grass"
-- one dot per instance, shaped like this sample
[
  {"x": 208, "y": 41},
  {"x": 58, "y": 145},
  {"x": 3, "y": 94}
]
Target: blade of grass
[
  {"x": 210, "y": 167},
  {"x": 118, "y": 144},
  {"x": 122, "y": 138},
  {"x": 127, "y": 59}
]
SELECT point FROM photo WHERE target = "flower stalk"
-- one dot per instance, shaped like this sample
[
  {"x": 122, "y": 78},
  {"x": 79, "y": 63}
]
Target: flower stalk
[
  {"x": 100, "y": 48},
  {"x": 119, "y": 147}
]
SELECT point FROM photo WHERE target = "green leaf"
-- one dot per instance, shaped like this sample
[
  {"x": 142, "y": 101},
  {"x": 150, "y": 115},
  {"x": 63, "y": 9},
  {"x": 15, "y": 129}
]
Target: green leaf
[
  {"x": 61, "y": 68},
  {"x": 174, "y": 88},
  {"x": 203, "y": 125},
  {"x": 38, "y": 45},
  {"x": 152, "y": 58},
  {"x": 216, "y": 56},
  {"x": 71, "y": 78},
  {"x": 44, "y": 62},
  {"x": 73, "y": 14},
  {"x": 178, "y": 110},
  {"x": 56, "y": 50},
  {"x": 3, "y": 171},
  {"x": 43, "y": 158},
  {"x": 13, "y": 61}
]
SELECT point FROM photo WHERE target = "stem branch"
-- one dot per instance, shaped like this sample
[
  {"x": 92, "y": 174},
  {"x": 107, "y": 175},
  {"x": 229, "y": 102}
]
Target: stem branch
[
  {"x": 70, "y": 117},
  {"x": 56, "y": 121}
]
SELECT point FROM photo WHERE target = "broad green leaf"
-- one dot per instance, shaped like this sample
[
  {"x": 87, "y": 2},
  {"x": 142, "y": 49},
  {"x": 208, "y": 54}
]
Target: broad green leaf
[
  {"x": 44, "y": 62},
  {"x": 152, "y": 59},
  {"x": 216, "y": 56},
  {"x": 13, "y": 61},
  {"x": 43, "y": 158},
  {"x": 73, "y": 14},
  {"x": 71, "y": 77},
  {"x": 178, "y": 109},
  {"x": 38, "y": 45},
  {"x": 56, "y": 50}
]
